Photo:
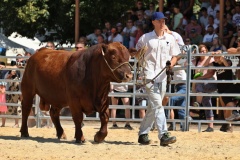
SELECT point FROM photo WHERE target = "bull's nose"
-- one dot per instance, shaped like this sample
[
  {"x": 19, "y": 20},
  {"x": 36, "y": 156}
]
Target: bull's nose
[{"x": 129, "y": 76}]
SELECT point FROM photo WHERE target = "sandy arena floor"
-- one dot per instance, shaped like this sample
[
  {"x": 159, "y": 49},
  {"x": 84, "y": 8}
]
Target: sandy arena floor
[{"x": 119, "y": 144}]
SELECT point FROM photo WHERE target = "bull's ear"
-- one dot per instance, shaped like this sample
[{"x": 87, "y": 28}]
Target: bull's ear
[{"x": 104, "y": 48}]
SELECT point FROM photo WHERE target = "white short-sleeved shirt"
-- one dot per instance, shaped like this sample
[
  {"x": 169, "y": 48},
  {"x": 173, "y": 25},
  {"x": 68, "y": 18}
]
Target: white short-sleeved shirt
[
  {"x": 213, "y": 11},
  {"x": 209, "y": 38},
  {"x": 118, "y": 38},
  {"x": 160, "y": 50},
  {"x": 179, "y": 74}
]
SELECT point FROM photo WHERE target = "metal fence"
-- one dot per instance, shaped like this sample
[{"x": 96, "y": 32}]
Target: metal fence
[{"x": 135, "y": 94}]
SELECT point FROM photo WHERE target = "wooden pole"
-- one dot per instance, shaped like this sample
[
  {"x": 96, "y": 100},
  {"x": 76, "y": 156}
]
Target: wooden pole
[
  {"x": 160, "y": 4},
  {"x": 76, "y": 21},
  {"x": 221, "y": 19}
]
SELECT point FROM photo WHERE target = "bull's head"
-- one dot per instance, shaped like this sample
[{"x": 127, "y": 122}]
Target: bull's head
[{"x": 117, "y": 58}]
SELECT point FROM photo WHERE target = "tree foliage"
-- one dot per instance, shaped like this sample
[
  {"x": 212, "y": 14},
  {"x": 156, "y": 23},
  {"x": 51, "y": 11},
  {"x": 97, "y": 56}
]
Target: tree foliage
[{"x": 28, "y": 17}]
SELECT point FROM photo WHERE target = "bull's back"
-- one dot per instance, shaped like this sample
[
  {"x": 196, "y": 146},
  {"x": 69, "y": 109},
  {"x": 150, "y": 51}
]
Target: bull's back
[{"x": 45, "y": 75}]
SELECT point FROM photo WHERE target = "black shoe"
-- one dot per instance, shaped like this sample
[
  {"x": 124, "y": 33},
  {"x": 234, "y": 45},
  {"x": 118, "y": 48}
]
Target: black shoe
[
  {"x": 226, "y": 128},
  {"x": 209, "y": 129},
  {"x": 143, "y": 139},
  {"x": 127, "y": 126},
  {"x": 166, "y": 139},
  {"x": 114, "y": 126}
]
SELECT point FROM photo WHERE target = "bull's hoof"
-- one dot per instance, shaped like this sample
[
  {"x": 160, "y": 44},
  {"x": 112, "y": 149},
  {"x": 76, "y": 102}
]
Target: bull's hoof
[
  {"x": 24, "y": 135},
  {"x": 80, "y": 141},
  {"x": 98, "y": 138},
  {"x": 64, "y": 136}
]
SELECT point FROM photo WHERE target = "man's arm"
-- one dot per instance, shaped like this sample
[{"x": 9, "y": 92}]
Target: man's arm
[{"x": 234, "y": 50}]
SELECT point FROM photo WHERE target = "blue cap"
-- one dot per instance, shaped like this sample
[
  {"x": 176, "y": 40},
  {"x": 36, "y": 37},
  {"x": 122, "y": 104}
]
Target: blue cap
[{"x": 158, "y": 15}]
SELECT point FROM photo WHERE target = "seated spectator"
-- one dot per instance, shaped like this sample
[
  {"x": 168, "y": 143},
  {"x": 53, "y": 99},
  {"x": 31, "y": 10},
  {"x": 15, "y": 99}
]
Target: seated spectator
[
  {"x": 209, "y": 36},
  {"x": 203, "y": 20},
  {"x": 142, "y": 21},
  {"x": 213, "y": 8},
  {"x": 149, "y": 12},
  {"x": 139, "y": 33},
  {"x": 93, "y": 36},
  {"x": 115, "y": 36},
  {"x": 227, "y": 31},
  {"x": 211, "y": 23},
  {"x": 203, "y": 61},
  {"x": 217, "y": 45},
  {"x": 222, "y": 74},
  {"x": 191, "y": 25},
  {"x": 119, "y": 28},
  {"x": 235, "y": 40},
  {"x": 186, "y": 8},
  {"x": 100, "y": 39},
  {"x": 125, "y": 101},
  {"x": 168, "y": 21},
  {"x": 195, "y": 37},
  {"x": 80, "y": 46},
  {"x": 236, "y": 16}
]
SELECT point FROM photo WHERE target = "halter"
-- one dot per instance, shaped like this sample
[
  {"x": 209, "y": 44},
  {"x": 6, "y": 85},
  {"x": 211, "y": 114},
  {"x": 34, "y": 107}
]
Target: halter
[{"x": 112, "y": 70}]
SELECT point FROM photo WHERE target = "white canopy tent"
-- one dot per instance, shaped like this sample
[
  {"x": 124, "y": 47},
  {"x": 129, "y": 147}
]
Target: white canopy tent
[{"x": 31, "y": 44}]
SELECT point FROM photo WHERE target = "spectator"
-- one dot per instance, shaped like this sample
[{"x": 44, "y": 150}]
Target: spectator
[
  {"x": 83, "y": 40},
  {"x": 149, "y": 12},
  {"x": 186, "y": 8},
  {"x": 100, "y": 39},
  {"x": 119, "y": 28},
  {"x": 211, "y": 23},
  {"x": 139, "y": 33},
  {"x": 108, "y": 28},
  {"x": 195, "y": 37},
  {"x": 229, "y": 18},
  {"x": 168, "y": 20},
  {"x": 208, "y": 38},
  {"x": 80, "y": 46},
  {"x": 204, "y": 3},
  {"x": 157, "y": 89},
  {"x": 143, "y": 21},
  {"x": 227, "y": 31},
  {"x": 115, "y": 36},
  {"x": 129, "y": 34},
  {"x": 3, "y": 107},
  {"x": 50, "y": 45},
  {"x": 177, "y": 18},
  {"x": 217, "y": 45},
  {"x": 203, "y": 20},
  {"x": 234, "y": 40},
  {"x": 93, "y": 37},
  {"x": 213, "y": 8},
  {"x": 180, "y": 88},
  {"x": 139, "y": 7},
  {"x": 125, "y": 101},
  {"x": 222, "y": 74},
  {"x": 236, "y": 16},
  {"x": 229, "y": 101},
  {"x": 203, "y": 61},
  {"x": 191, "y": 25}
]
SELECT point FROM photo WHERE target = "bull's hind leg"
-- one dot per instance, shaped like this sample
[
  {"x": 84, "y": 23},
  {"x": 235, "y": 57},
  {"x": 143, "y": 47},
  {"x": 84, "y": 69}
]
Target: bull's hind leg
[
  {"x": 102, "y": 133},
  {"x": 55, "y": 113},
  {"x": 26, "y": 109}
]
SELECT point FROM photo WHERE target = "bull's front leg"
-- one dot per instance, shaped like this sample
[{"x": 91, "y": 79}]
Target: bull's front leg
[
  {"x": 78, "y": 118},
  {"x": 102, "y": 133}
]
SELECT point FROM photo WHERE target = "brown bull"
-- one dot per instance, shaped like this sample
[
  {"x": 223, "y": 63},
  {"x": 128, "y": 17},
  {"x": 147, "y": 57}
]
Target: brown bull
[{"x": 80, "y": 80}]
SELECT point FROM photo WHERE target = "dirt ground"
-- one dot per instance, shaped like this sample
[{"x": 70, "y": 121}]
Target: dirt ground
[{"x": 119, "y": 144}]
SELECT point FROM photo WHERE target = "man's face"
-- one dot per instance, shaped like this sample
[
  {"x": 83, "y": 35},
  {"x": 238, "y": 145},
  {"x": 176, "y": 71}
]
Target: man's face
[
  {"x": 159, "y": 24},
  {"x": 50, "y": 46}
]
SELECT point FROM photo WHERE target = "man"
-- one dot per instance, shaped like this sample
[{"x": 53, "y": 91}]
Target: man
[{"x": 161, "y": 47}]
